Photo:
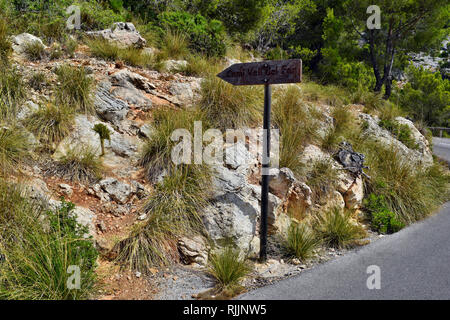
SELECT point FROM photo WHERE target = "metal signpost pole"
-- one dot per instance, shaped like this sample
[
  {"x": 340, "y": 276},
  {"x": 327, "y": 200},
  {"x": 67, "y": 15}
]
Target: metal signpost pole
[{"x": 265, "y": 173}]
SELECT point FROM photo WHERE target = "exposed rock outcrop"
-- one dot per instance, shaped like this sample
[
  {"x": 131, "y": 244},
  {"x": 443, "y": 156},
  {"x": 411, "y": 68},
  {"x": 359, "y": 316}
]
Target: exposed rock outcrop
[{"x": 124, "y": 34}]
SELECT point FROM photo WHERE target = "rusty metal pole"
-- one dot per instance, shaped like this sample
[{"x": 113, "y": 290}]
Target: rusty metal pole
[{"x": 265, "y": 173}]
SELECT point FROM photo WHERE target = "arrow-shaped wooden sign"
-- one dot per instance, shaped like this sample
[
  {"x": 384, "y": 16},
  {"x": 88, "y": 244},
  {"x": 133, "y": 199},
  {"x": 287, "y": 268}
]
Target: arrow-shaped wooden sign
[{"x": 265, "y": 72}]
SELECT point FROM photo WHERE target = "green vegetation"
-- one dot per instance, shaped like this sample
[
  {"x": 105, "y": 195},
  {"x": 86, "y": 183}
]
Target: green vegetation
[
  {"x": 321, "y": 178},
  {"x": 14, "y": 148},
  {"x": 174, "y": 46},
  {"x": 401, "y": 131},
  {"x": 38, "y": 246},
  {"x": 383, "y": 220},
  {"x": 79, "y": 164},
  {"x": 112, "y": 52},
  {"x": 104, "y": 134},
  {"x": 5, "y": 44},
  {"x": 38, "y": 81},
  {"x": 336, "y": 228},
  {"x": 228, "y": 268},
  {"x": 51, "y": 123},
  {"x": 34, "y": 51},
  {"x": 411, "y": 192},
  {"x": 75, "y": 88},
  {"x": 297, "y": 123},
  {"x": 173, "y": 210},
  {"x": 12, "y": 92},
  {"x": 301, "y": 241}
]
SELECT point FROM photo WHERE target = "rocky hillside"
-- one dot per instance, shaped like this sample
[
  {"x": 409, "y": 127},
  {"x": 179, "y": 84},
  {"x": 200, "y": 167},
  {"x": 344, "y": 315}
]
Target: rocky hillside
[{"x": 113, "y": 200}]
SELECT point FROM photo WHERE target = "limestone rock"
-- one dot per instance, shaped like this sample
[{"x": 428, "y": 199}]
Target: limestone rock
[
  {"x": 124, "y": 34},
  {"x": 20, "y": 42},
  {"x": 108, "y": 107},
  {"x": 118, "y": 191},
  {"x": 354, "y": 195},
  {"x": 193, "y": 250}
]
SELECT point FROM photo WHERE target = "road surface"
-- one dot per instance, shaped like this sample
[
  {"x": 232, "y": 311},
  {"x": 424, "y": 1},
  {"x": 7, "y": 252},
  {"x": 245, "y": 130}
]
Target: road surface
[{"x": 413, "y": 264}]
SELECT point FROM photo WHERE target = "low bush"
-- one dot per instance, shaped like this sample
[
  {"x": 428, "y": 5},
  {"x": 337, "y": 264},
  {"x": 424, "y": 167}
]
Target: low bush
[
  {"x": 37, "y": 258},
  {"x": 383, "y": 220},
  {"x": 173, "y": 210},
  {"x": 228, "y": 107},
  {"x": 174, "y": 46},
  {"x": 301, "y": 241},
  {"x": 75, "y": 88},
  {"x": 337, "y": 230},
  {"x": 228, "y": 268},
  {"x": 51, "y": 123},
  {"x": 79, "y": 164}
]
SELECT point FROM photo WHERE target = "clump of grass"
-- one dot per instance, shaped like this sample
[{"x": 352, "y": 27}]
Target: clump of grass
[
  {"x": 173, "y": 210},
  {"x": 199, "y": 65},
  {"x": 34, "y": 50},
  {"x": 37, "y": 258},
  {"x": 345, "y": 128},
  {"x": 228, "y": 268},
  {"x": 372, "y": 102},
  {"x": 156, "y": 154},
  {"x": 109, "y": 51},
  {"x": 12, "y": 92},
  {"x": 14, "y": 148},
  {"x": 401, "y": 131},
  {"x": 336, "y": 229},
  {"x": 5, "y": 44},
  {"x": 75, "y": 88},
  {"x": 321, "y": 178},
  {"x": 330, "y": 95},
  {"x": 410, "y": 191},
  {"x": 297, "y": 125},
  {"x": 228, "y": 107},
  {"x": 51, "y": 123},
  {"x": 175, "y": 45},
  {"x": 38, "y": 81},
  {"x": 79, "y": 164},
  {"x": 301, "y": 241}
]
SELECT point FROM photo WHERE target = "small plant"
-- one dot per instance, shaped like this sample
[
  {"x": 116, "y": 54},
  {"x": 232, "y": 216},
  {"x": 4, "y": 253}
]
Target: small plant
[
  {"x": 227, "y": 107},
  {"x": 301, "y": 241},
  {"x": 337, "y": 230},
  {"x": 79, "y": 164},
  {"x": 322, "y": 179},
  {"x": 14, "y": 148},
  {"x": 12, "y": 92},
  {"x": 104, "y": 134},
  {"x": 383, "y": 220},
  {"x": 38, "y": 81},
  {"x": 51, "y": 123},
  {"x": 5, "y": 44},
  {"x": 104, "y": 49},
  {"x": 199, "y": 65},
  {"x": 34, "y": 50},
  {"x": 228, "y": 267},
  {"x": 75, "y": 88}
]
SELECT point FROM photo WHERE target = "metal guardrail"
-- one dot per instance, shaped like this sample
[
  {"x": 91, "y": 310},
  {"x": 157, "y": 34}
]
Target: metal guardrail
[{"x": 441, "y": 129}]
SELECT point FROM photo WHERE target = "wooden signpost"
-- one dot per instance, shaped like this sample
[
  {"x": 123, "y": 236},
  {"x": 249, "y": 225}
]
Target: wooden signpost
[{"x": 264, "y": 73}]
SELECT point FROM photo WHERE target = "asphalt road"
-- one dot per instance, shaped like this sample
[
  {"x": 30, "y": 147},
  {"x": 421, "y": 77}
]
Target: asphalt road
[{"x": 413, "y": 264}]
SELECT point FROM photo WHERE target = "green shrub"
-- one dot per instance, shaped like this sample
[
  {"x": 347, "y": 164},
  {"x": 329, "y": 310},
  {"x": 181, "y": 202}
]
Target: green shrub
[
  {"x": 297, "y": 125},
  {"x": 37, "y": 260},
  {"x": 14, "y": 148},
  {"x": 75, "y": 88},
  {"x": 301, "y": 241},
  {"x": 34, "y": 51},
  {"x": 228, "y": 268},
  {"x": 206, "y": 37},
  {"x": 79, "y": 164},
  {"x": 51, "y": 123},
  {"x": 330, "y": 95},
  {"x": 337, "y": 230},
  {"x": 174, "y": 45},
  {"x": 229, "y": 107},
  {"x": 173, "y": 210},
  {"x": 383, "y": 220}
]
